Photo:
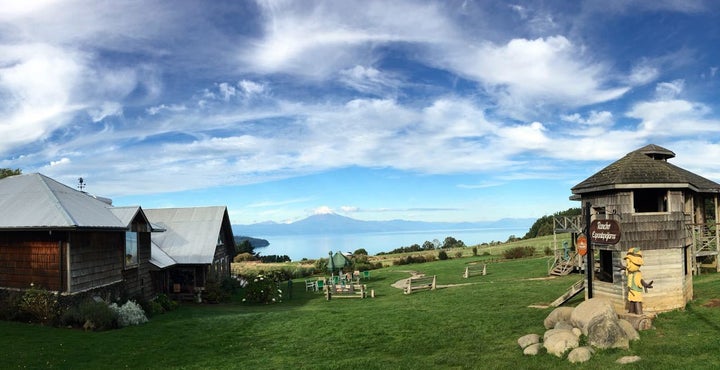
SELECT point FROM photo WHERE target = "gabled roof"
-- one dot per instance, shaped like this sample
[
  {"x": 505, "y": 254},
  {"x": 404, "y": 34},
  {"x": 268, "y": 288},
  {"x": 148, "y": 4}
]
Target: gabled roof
[
  {"x": 646, "y": 167},
  {"x": 34, "y": 201},
  {"x": 127, "y": 214},
  {"x": 191, "y": 234}
]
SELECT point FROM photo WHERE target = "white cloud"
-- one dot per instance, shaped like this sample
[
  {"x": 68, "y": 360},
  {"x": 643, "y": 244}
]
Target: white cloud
[
  {"x": 594, "y": 118},
  {"x": 250, "y": 88},
  {"x": 162, "y": 107},
  {"x": 323, "y": 210},
  {"x": 642, "y": 74},
  {"x": 349, "y": 209},
  {"x": 525, "y": 75},
  {"x": 369, "y": 80},
  {"x": 673, "y": 117},
  {"x": 315, "y": 40},
  {"x": 59, "y": 162},
  {"x": 669, "y": 90}
]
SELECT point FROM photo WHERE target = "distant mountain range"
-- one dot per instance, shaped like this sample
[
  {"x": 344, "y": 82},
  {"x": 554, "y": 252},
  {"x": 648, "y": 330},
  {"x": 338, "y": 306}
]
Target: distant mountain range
[{"x": 336, "y": 224}]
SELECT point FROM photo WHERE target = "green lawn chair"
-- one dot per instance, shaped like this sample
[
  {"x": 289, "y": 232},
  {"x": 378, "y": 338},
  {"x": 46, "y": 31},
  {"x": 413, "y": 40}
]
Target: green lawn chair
[
  {"x": 366, "y": 274},
  {"x": 320, "y": 284}
]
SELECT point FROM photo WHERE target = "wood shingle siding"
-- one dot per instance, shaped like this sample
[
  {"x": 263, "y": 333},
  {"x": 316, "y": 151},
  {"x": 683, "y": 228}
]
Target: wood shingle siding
[{"x": 96, "y": 259}]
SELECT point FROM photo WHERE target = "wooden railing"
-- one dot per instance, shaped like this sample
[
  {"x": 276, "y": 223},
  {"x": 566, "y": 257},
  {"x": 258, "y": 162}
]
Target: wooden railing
[{"x": 705, "y": 241}]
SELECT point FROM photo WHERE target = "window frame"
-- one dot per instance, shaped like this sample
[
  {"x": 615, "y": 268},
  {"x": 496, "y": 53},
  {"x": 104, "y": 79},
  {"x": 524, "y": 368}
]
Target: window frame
[{"x": 131, "y": 260}]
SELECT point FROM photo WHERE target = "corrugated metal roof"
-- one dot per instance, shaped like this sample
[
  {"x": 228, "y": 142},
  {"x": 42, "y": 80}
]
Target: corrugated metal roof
[
  {"x": 36, "y": 201},
  {"x": 159, "y": 258},
  {"x": 191, "y": 234},
  {"x": 125, "y": 214}
]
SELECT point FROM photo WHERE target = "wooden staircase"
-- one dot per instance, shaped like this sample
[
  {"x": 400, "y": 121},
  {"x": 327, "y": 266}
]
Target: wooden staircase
[
  {"x": 562, "y": 268},
  {"x": 572, "y": 292}
]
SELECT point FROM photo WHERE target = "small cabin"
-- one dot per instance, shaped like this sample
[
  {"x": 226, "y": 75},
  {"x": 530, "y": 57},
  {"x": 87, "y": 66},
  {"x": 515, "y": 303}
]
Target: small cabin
[
  {"x": 668, "y": 212},
  {"x": 195, "y": 246},
  {"x": 64, "y": 240}
]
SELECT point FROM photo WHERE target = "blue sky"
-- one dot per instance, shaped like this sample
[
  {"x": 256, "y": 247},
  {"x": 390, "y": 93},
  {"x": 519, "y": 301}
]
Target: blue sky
[{"x": 377, "y": 110}]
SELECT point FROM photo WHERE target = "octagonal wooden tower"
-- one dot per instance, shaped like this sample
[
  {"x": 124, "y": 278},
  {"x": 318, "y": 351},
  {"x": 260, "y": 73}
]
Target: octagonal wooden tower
[{"x": 668, "y": 212}]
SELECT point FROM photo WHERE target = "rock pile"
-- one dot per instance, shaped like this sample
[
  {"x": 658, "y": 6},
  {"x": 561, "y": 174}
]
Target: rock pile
[{"x": 593, "y": 322}]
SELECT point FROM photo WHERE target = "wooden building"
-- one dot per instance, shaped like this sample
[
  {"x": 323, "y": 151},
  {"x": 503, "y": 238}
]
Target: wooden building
[
  {"x": 65, "y": 240},
  {"x": 196, "y": 245},
  {"x": 666, "y": 211}
]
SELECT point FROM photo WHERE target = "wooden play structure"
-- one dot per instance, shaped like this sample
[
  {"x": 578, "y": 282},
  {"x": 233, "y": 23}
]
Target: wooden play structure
[{"x": 667, "y": 212}]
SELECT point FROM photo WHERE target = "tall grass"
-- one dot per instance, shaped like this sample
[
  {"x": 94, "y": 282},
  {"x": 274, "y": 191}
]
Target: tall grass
[{"x": 472, "y": 326}]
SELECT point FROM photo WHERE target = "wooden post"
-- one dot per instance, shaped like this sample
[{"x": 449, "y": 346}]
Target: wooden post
[
  {"x": 484, "y": 269},
  {"x": 590, "y": 268},
  {"x": 467, "y": 272},
  {"x": 433, "y": 283}
]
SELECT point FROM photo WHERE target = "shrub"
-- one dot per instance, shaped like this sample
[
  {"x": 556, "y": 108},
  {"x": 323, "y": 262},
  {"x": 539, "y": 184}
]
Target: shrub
[
  {"x": 242, "y": 257},
  {"x": 442, "y": 255},
  {"x": 10, "y": 305},
  {"x": 262, "y": 289},
  {"x": 474, "y": 250},
  {"x": 39, "y": 305},
  {"x": 410, "y": 259},
  {"x": 90, "y": 314},
  {"x": 321, "y": 264},
  {"x": 165, "y": 301},
  {"x": 129, "y": 314},
  {"x": 519, "y": 252},
  {"x": 214, "y": 293},
  {"x": 458, "y": 254},
  {"x": 548, "y": 251}
]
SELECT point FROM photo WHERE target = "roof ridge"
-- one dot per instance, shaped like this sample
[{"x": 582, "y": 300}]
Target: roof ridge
[{"x": 54, "y": 198}]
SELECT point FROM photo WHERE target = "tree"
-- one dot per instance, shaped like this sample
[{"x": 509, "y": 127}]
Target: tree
[
  {"x": 428, "y": 246},
  {"x": 360, "y": 251},
  {"x": 7, "y": 172},
  {"x": 244, "y": 247},
  {"x": 545, "y": 224}
]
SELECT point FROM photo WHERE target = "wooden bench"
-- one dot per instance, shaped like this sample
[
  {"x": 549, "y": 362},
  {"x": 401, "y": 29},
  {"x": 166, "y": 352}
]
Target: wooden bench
[
  {"x": 475, "y": 269},
  {"x": 346, "y": 291},
  {"x": 420, "y": 282}
]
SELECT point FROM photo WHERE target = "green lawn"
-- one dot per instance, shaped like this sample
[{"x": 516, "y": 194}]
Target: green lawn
[{"x": 463, "y": 327}]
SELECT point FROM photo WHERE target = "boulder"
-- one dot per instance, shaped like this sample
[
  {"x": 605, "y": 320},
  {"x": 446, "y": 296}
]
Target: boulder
[
  {"x": 564, "y": 325},
  {"x": 557, "y": 315},
  {"x": 555, "y": 331},
  {"x": 628, "y": 359},
  {"x": 532, "y": 349},
  {"x": 589, "y": 310},
  {"x": 630, "y": 331},
  {"x": 527, "y": 340},
  {"x": 560, "y": 341},
  {"x": 580, "y": 354},
  {"x": 604, "y": 332}
]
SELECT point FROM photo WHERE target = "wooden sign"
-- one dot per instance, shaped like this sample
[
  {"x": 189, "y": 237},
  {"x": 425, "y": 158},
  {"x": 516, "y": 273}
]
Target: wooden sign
[
  {"x": 581, "y": 245},
  {"x": 605, "y": 231}
]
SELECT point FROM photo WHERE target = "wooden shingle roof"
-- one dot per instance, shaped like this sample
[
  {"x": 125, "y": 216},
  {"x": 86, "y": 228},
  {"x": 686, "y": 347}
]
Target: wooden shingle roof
[{"x": 646, "y": 167}]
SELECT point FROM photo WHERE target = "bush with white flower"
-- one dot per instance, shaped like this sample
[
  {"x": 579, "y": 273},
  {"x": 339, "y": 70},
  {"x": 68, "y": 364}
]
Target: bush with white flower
[
  {"x": 129, "y": 314},
  {"x": 263, "y": 289}
]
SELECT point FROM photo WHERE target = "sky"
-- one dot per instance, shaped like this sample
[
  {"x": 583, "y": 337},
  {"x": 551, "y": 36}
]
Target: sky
[{"x": 375, "y": 110}]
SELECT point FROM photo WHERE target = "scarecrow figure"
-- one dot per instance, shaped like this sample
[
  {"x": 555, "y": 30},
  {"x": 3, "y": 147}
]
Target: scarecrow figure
[{"x": 635, "y": 282}]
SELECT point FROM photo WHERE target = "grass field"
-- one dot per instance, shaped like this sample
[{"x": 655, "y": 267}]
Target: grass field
[{"x": 471, "y": 326}]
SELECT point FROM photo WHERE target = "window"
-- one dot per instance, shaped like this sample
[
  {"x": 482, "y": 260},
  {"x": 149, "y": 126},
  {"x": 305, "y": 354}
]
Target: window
[
  {"x": 131, "y": 256},
  {"x": 650, "y": 200}
]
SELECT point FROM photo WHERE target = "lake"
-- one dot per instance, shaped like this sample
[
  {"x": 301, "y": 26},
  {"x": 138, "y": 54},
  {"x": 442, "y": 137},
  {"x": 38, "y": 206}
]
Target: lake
[{"x": 313, "y": 246}]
